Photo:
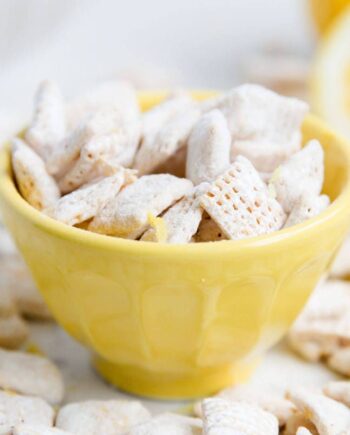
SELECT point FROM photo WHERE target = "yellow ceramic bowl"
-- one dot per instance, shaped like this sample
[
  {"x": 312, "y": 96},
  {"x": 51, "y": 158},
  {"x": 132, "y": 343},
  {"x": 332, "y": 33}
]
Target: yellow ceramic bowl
[{"x": 177, "y": 321}]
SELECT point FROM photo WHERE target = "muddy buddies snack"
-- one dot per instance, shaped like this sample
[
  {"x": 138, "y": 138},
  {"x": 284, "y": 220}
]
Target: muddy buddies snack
[{"x": 99, "y": 163}]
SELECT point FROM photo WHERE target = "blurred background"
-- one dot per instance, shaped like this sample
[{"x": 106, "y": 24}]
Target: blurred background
[{"x": 154, "y": 43}]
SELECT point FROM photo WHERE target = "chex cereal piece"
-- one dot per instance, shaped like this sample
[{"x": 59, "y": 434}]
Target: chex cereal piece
[
  {"x": 127, "y": 216},
  {"x": 329, "y": 417},
  {"x": 35, "y": 184},
  {"x": 265, "y": 126},
  {"x": 270, "y": 401},
  {"x": 222, "y": 417},
  {"x": 38, "y": 429},
  {"x": 169, "y": 424},
  {"x": 30, "y": 375},
  {"x": 171, "y": 137},
  {"x": 103, "y": 122},
  {"x": 115, "y": 94},
  {"x": 208, "y": 230},
  {"x": 208, "y": 151},
  {"x": 13, "y": 331},
  {"x": 15, "y": 410},
  {"x": 324, "y": 324},
  {"x": 86, "y": 202},
  {"x": 339, "y": 359},
  {"x": 341, "y": 265},
  {"x": 239, "y": 202},
  {"x": 302, "y": 174},
  {"x": 297, "y": 421},
  {"x": 111, "y": 417},
  {"x": 339, "y": 391},
  {"x": 182, "y": 219},
  {"x": 48, "y": 127},
  {"x": 307, "y": 207},
  {"x": 98, "y": 158}
]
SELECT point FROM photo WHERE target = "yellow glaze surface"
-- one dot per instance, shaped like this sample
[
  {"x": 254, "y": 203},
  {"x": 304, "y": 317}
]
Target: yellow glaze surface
[{"x": 180, "y": 320}]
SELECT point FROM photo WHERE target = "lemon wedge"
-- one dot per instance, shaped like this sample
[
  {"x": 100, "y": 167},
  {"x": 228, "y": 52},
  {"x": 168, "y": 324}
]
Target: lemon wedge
[
  {"x": 324, "y": 12},
  {"x": 330, "y": 81}
]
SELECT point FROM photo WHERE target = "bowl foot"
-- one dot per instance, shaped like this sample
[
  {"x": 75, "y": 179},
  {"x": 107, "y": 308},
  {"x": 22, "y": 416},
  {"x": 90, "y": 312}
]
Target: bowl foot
[{"x": 198, "y": 383}]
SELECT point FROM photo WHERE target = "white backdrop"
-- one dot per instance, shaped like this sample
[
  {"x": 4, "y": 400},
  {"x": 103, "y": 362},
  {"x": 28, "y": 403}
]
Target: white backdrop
[{"x": 197, "y": 43}]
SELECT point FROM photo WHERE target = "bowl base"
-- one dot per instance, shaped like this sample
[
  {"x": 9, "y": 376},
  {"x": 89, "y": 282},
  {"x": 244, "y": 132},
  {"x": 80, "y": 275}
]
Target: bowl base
[{"x": 174, "y": 386}]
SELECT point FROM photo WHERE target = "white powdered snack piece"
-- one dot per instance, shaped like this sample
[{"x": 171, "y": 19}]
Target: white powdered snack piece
[
  {"x": 303, "y": 431},
  {"x": 169, "y": 424},
  {"x": 306, "y": 208},
  {"x": 36, "y": 186},
  {"x": 172, "y": 136},
  {"x": 302, "y": 174},
  {"x": 265, "y": 126},
  {"x": 341, "y": 265},
  {"x": 31, "y": 375},
  {"x": 329, "y": 417},
  {"x": 116, "y": 94},
  {"x": 324, "y": 325},
  {"x": 127, "y": 216},
  {"x": 270, "y": 401},
  {"x": 208, "y": 151},
  {"x": 38, "y": 429},
  {"x": 15, "y": 410},
  {"x": 155, "y": 118},
  {"x": 339, "y": 360},
  {"x": 339, "y": 391},
  {"x": 98, "y": 158},
  {"x": 182, "y": 219},
  {"x": 86, "y": 202},
  {"x": 97, "y": 417},
  {"x": 104, "y": 122},
  {"x": 222, "y": 417},
  {"x": 48, "y": 126},
  {"x": 239, "y": 202}
]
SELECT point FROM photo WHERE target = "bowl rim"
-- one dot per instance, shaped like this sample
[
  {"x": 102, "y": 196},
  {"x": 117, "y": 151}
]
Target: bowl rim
[{"x": 9, "y": 192}]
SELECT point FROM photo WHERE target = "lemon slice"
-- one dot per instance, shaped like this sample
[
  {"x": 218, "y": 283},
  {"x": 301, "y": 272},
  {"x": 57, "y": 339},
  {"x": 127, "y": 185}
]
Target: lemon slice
[
  {"x": 325, "y": 11},
  {"x": 330, "y": 81}
]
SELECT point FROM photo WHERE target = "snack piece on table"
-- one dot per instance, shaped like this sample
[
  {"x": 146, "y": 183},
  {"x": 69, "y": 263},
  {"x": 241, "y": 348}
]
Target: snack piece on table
[
  {"x": 127, "y": 216},
  {"x": 240, "y": 203},
  {"x": 172, "y": 424},
  {"x": 38, "y": 429},
  {"x": 171, "y": 138},
  {"x": 321, "y": 332},
  {"x": 265, "y": 126},
  {"x": 110, "y": 417},
  {"x": 329, "y": 417},
  {"x": 36, "y": 186},
  {"x": 302, "y": 174},
  {"x": 48, "y": 126},
  {"x": 307, "y": 207},
  {"x": 341, "y": 265},
  {"x": 208, "y": 230},
  {"x": 208, "y": 151},
  {"x": 339, "y": 391},
  {"x": 31, "y": 375},
  {"x": 182, "y": 219},
  {"x": 15, "y": 410},
  {"x": 86, "y": 202},
  {"x": 270, "y": 401},
  {"x": 222, "y": 417}
]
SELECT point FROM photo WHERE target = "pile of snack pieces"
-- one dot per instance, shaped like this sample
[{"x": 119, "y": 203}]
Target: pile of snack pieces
[
  {"x": 97, "y": 162},
  {"x": 32, "y": 390}
]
